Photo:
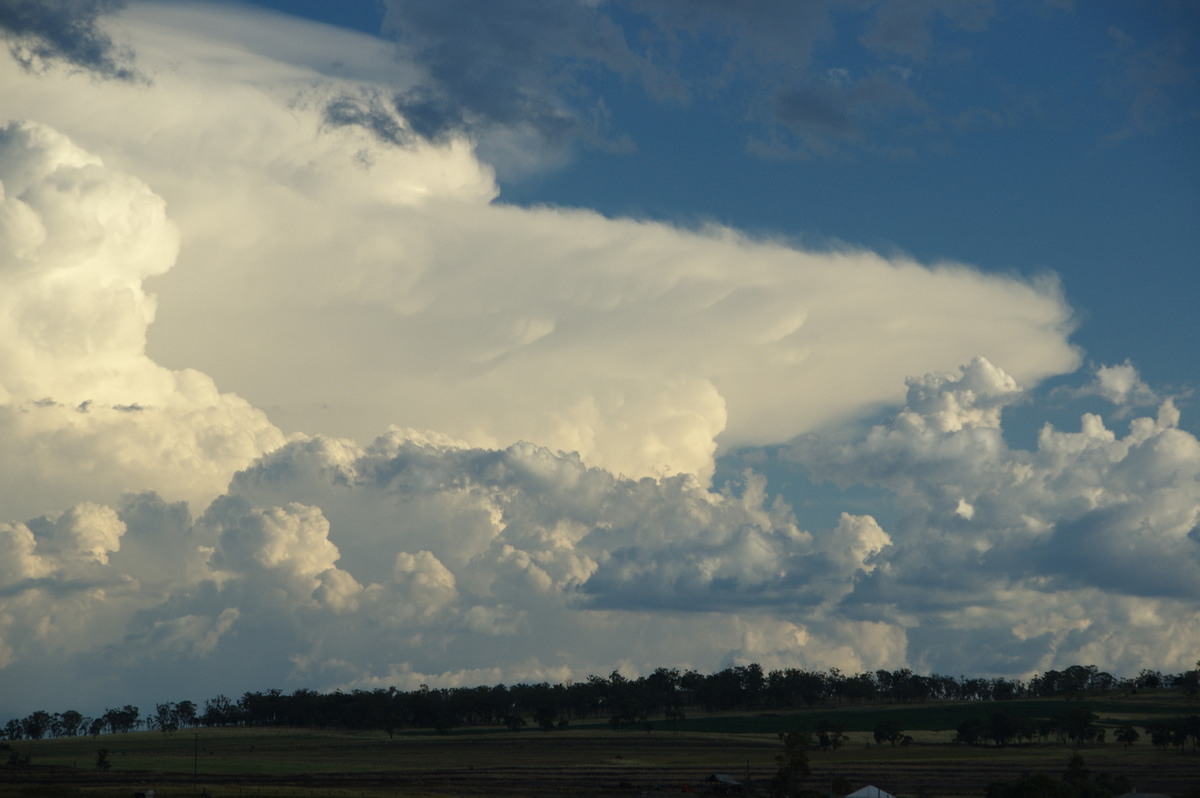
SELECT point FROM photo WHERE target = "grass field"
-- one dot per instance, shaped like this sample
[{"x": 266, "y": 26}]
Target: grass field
[{"x": 591, "y": 759}]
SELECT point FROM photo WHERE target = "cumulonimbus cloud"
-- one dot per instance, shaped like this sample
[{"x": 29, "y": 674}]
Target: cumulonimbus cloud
[
  {"x": 572, "y": 378},
  {"x": 345, "y": 284}
]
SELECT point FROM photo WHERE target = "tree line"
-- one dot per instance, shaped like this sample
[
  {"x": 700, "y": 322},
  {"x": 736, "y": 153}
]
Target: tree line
[
  {"x": 667, "y": 693},
  {"x": 1077, "y": 726}
]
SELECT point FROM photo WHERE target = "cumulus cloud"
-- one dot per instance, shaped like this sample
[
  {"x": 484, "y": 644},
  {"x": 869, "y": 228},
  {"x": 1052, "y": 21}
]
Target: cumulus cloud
[
  {"x": 91, "y": 413},
  {"x": 1084, "y": 514},
  {"x": 1122, "y": 385},
  {"x": 420, "y": 559},
  {"x": 515, "y": 559}
]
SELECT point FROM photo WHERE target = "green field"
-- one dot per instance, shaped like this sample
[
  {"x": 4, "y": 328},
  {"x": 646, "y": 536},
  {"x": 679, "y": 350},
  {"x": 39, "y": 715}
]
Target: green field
[{"x": 593, "y": 759}]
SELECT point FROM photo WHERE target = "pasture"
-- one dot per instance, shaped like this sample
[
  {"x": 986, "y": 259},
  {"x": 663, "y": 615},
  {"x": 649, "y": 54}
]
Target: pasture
[{"x": 594, "y": 759}]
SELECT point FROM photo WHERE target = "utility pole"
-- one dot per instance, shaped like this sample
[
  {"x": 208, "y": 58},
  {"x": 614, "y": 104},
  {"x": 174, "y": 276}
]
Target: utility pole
[{"x": 195, "y": 756}]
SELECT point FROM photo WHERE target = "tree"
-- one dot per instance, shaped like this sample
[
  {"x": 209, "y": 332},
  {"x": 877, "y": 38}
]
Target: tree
[
  {"x": 219, "y": 711},
  {"x": 70, "y": 723},
  {"x": 102, "y": 762},
  {"x": 37, "y": 724},
  {"x": 889, "y": 731},
  {"x": 165, "y": 718},
  {"x": 1077, "y": 774},
  {"x": 544, "y": 716},
  {"x": 970, "y": 732},
  {"x": 1160, "y": 735},
  {"x": 1127, "y": 735},
  {"x": 122, "y": 720},
  {"x": 1002, "y": 728},
  {"x": 1190, "y": 681},
  {"x": 830, "y": 735},
  {"x": 185, "y": 714},
  {"x": 1078, "y": 725},
  {"x": 793, "y": 764}
]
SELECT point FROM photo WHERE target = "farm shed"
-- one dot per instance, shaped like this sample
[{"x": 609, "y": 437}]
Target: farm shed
[{"x": 870, "y": 791}]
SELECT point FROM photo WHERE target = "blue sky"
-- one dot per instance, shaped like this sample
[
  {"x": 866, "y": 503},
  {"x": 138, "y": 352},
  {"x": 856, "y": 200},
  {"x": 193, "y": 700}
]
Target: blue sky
[
  {"x": 371, "y": 343},
  {"x": 1048, "y": 137}
]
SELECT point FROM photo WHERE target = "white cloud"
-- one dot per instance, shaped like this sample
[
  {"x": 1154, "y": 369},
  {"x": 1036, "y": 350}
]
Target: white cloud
[
  {"x": 1122, "y": 385},
  {"x": 90, "y": 412},
  {"x": 345, "y": 284},
  {"x": 554, "y": 386},
  {"x": 1026, "y": 539}
]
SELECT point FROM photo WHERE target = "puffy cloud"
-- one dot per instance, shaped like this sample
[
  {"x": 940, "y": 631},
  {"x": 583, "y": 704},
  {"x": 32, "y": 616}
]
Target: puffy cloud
[
  {"x": 1122, "y": 385},
  {"x": 19, "y": 561},
  {"x": 89, "y": 531},
  {"x": 420, "y": 559},
  {"x": 429, "y": 584},
  {"x": 636, "y": 344},
  {"x": 1046, "y": 531},
  {"x": 291, "y": 539},
  {"x": 516, "y": 559},
  {"x": 93, "y": 415}
]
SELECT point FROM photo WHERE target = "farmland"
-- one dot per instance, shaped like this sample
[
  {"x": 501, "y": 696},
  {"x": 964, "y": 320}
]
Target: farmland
[{"x": 596, "y": 759}]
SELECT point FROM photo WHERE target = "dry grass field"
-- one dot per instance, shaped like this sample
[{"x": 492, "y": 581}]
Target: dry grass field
[{"x": 591, "y": 760}]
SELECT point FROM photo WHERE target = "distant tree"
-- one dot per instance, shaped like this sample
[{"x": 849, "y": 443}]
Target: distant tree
[
  {"x": 37, "y": 724},
  {"x": 1127, "y": 735},
  {"x": 102, "y": 762},
  {"x": 1002, "y": 728},
  {"x": 971, "y": 731},
  {"x": 1160, "y": 734},
  {"x": 1077, "y": 774},
  {"x": 165, "y": 717},
  {"x": 793, "y": 764},
  {"x": 889, "y": 731},
  {"x": 1078, "y": 725},
  {"x": 1191, "y": 725},
  {"x": 830, "y": 735},
  {"x": 13, "y": 730},
  {"x": 122, "y": 720},
  {"x": 1190, "y": 681},
  {"x": 185, "y": 714},
  {"x": 70, "y": 723},
  {"x": 1149, "y": 678},
  {"x": 544, "y": 717},
  {"x": 219, "y": 711}
]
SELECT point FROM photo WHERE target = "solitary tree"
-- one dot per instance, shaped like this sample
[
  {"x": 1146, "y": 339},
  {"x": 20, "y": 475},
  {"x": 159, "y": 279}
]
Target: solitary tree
[
  {"x": 793, "y": 764},
  {"x": 889, "y": 731},
  {"x": 1127, "y": 735}
]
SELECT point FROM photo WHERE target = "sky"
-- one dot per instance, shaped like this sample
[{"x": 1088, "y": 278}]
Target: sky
[{"x": 395, "y": 342}]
